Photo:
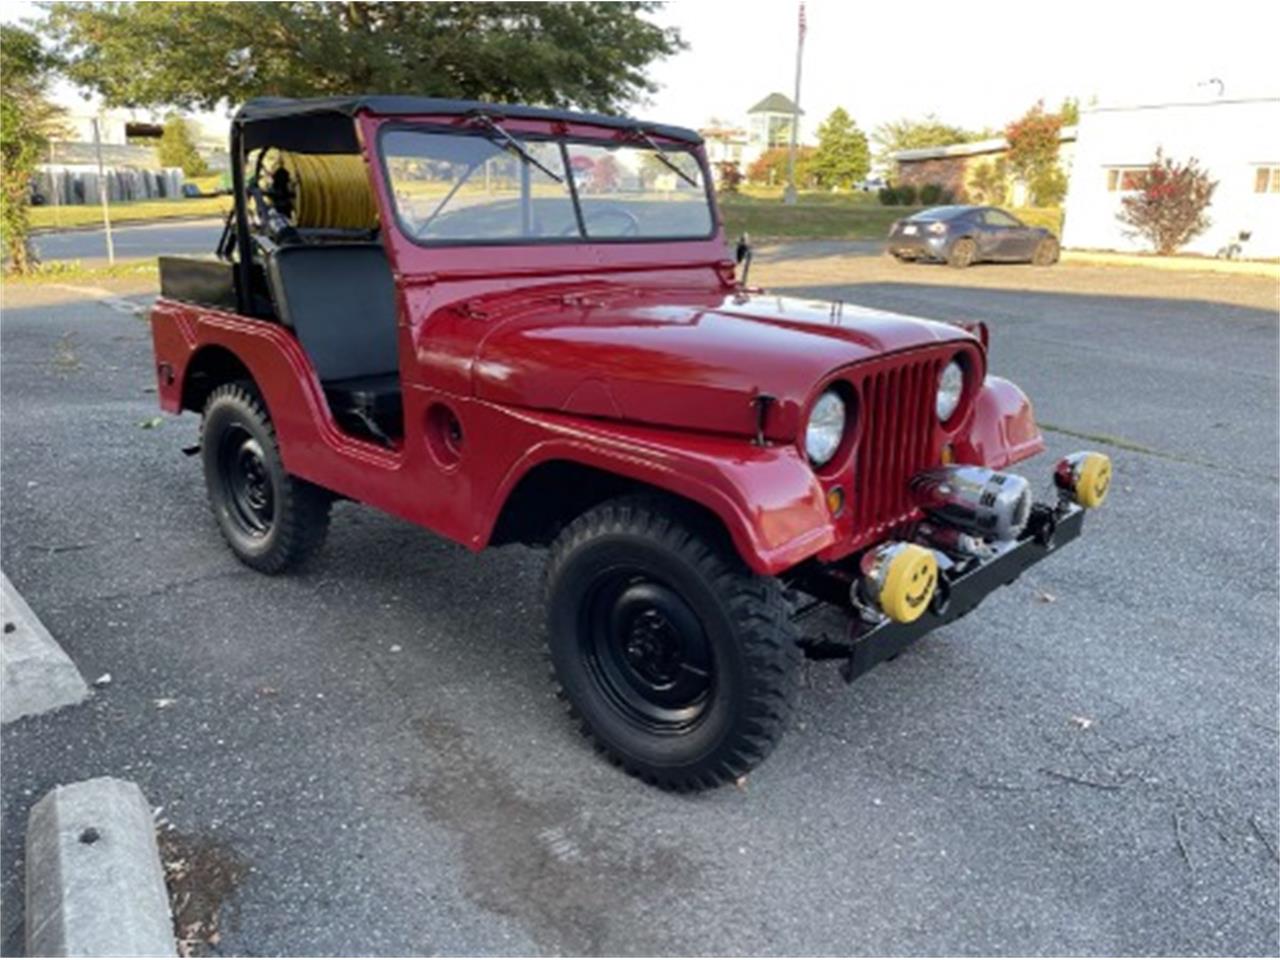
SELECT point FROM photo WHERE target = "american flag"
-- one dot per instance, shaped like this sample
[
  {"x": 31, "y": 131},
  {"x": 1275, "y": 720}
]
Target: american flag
[{"x": 801, "y": 21}]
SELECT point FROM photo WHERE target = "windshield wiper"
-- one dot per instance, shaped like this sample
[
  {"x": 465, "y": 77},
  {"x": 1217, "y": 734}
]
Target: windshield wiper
[
  {"x": 504, "y": 139},
  {"x": 662, "y": 156}
]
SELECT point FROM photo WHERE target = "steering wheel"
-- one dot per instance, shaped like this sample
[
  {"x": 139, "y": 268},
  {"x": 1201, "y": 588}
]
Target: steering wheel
[{"x": 630, "y": 223}]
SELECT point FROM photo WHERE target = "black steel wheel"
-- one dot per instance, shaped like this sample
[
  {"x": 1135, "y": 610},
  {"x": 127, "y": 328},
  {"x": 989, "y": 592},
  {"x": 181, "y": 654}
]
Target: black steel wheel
[
  {"x": 963, "y": 253},
  {"x": 271, "y": 520},
  {"x": 677, "y": 660}
]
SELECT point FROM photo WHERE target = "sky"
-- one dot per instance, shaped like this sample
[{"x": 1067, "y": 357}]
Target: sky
[{"x": 978, "y": 64}]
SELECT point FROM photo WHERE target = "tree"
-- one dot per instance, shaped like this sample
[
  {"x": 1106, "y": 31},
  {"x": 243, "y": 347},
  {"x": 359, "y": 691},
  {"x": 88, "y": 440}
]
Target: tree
[
  {"x": 1170, "y": 207},
  {"x": 908, "y": 134},
  {"x": 771, "y": 167},
  {"x": 1033, "y": 154},
  {"x": 26, "y": 119},
  {"x": 843, "y": 157},
  {"x": 178, "y": 148},
  {"x": 194, "y": 55},
  {"x": 729, "y": 176},
  {"x": 989, "y": 182},
  {"x": 1070, "y": 111}
]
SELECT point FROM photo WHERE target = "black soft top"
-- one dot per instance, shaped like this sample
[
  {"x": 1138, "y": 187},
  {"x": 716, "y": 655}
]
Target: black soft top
[{"x": 323, "y": 124}]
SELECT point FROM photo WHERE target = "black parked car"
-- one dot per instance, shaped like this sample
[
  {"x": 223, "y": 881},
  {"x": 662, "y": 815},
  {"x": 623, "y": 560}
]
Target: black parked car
[{"x": 961, "y": 235}]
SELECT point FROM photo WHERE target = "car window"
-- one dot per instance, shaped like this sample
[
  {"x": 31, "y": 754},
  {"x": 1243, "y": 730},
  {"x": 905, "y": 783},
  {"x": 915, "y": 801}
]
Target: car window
[
  {"x": 998, "y": 218},
  {"x": 463, "y": 187},
  {"x": 456, "y": 187},
  {"x": 631, "y": 192}
]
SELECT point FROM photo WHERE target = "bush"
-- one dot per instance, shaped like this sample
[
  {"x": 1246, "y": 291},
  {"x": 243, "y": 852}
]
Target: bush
[
  {"x": 889, "y": 196},
  {"x": 1169, "y": 208},
  {"x": 1048, "y": 188},
  {"x": 730, "y": 176},
  {"x": 907, "y": 195},
  {"x": 989, "y": 182},
  {"x": 931, "y": 194}
]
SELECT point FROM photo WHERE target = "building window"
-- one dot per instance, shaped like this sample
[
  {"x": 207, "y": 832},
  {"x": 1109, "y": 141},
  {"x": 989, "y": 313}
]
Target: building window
[
  {"x": 1266, "y": 180},
  {"x": 1125, "y": 179}
]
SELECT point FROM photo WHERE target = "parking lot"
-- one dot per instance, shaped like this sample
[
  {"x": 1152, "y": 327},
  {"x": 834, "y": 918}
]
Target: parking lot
[{"x": 372, "y": 751}]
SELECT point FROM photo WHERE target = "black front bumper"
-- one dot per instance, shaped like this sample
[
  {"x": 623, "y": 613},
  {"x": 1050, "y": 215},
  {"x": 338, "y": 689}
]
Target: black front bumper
[{"x": 867, "y": 644}]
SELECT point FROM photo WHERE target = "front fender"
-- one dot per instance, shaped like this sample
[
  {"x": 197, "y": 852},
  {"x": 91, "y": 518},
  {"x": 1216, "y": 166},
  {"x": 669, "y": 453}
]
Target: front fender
[
  {"x": 1003, "y": 429},
  {"x": 767, "y": 497}
]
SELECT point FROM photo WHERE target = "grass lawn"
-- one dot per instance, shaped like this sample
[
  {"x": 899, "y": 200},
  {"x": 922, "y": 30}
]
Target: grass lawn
[
  {"x": 828, "y": 216},
  {"x": 51, "y": 217},
  {"x": 67, "y": 271}
]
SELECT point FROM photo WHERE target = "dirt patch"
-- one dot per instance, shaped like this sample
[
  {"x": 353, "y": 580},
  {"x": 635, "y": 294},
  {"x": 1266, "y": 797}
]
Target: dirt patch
[{"x": 201, "y": 874}]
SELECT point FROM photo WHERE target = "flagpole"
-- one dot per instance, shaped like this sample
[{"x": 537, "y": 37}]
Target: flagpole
[{"x": 789, "y": 195}]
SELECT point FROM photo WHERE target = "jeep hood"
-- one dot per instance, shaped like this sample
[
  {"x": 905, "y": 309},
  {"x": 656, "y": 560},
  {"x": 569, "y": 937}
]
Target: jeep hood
[{"x": 691, "y": 362}]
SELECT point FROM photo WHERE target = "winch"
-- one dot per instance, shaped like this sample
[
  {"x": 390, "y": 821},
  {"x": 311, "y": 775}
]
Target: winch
[{"x": 978, "y": 500}]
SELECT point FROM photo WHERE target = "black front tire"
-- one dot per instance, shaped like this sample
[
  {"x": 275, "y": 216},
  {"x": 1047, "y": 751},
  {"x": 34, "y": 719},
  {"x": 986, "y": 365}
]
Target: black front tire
[
  {"x": 679, "y": 662},
  {"x": 272, "y": 521}
]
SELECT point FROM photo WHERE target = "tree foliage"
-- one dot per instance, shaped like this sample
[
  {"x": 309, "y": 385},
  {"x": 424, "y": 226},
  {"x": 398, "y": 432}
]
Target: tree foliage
[
  {"x": 843, "y": 157},
  {"x": 194, "y": 55},
  {"x": 771, "y": 167},
  {"x": 728, "y": 176},
  {"x": 26, "y": 120},
  {"x": 1171, "y": 205},
  {"x": 178, "y": 148},
  {"x": 1033, "y": 154},
  {"x": 989, "y": 182},
  {"x": 909, "y": 134}
]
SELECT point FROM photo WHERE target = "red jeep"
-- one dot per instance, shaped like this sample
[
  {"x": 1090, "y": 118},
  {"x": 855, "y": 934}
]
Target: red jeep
[{"x": 520, "y": 325}]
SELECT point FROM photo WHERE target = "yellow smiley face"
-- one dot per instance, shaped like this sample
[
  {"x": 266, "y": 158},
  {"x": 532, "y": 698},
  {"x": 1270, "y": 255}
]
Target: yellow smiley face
[
  {"x": 909, "y": 582},
  {"x": 1093, "y": 480}
]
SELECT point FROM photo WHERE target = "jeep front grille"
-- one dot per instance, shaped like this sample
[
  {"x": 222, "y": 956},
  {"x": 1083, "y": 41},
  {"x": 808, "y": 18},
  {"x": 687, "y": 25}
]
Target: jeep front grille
[{"x": 898, "y": 439}]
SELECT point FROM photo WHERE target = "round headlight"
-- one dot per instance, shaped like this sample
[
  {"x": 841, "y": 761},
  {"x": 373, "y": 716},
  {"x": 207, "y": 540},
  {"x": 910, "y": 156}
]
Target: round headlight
[
  {"x": 826, "y": 428},
  {"x": 950, "y": 387}
]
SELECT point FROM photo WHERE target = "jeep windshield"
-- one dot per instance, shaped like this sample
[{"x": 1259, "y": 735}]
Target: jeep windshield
[{"x": 473, "y": 187}]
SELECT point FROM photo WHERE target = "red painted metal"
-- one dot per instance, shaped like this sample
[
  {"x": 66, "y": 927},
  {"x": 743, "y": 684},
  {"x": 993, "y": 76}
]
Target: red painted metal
[{"x": 637, "y": 358}]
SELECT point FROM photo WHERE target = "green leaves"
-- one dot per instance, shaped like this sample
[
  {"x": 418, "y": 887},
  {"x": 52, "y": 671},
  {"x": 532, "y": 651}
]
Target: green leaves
[
  {"x": 843, "y": 157},
  {"x": 195, "y": 55}
]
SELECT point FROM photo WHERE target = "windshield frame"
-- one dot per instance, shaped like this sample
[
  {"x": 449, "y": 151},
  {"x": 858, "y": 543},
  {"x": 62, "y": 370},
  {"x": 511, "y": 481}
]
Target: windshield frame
[{"x": 565, "y": 140}]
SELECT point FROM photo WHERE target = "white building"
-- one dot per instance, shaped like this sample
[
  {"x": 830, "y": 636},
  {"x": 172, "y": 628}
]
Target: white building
[
  {"x": 768, "y": 125},
  {"x": 1236, "y": 140}
]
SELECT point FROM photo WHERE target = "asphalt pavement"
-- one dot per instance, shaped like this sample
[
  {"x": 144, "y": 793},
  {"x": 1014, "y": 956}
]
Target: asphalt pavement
[
  {"x": 1085, "y": 764},
  {"x": 145, "y": 240}
]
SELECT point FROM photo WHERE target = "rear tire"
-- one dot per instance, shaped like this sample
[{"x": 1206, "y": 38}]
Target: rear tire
[
  {"x": 962, "y": 254},
  {"x": 679, "y": 662},
  {"x": 272, "y": 521},
  {"x": 1046, "y": 254}
]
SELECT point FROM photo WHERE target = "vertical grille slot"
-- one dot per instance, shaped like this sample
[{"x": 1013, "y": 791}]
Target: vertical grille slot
[{"x": 896, "y": 443}]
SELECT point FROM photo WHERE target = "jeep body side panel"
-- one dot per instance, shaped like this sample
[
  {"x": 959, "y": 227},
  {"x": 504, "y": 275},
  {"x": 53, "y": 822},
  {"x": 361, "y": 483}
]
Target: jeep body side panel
[{"x": 766, "y": 497}]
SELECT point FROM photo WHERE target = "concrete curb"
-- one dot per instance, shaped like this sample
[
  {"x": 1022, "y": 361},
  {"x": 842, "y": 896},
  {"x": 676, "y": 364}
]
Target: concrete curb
[
  {"x": 95, "y": 885},
  {"x": 1257, "y": 268},
  {"x": 35, "y": 674}
]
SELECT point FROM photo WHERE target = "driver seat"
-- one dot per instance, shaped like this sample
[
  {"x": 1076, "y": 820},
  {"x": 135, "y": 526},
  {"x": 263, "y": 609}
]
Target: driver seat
[{"x": 340, "y": 301}]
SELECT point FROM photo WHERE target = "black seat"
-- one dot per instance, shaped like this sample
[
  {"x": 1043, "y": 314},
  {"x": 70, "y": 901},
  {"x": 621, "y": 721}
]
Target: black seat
[{"x": 340, "y": 301}]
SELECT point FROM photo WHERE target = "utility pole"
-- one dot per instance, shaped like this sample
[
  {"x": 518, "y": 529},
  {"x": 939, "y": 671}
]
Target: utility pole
[
  {"x": 789, "y": 195},
  {"x": 104, "y": 187}
]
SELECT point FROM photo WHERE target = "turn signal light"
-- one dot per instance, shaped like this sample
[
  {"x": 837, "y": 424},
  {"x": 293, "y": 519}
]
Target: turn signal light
[{"x": 1084, "y": 477}]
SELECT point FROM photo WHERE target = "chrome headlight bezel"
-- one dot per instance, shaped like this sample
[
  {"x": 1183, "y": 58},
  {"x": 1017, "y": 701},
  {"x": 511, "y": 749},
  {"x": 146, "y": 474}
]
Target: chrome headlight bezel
[
  {"x": 951, "y": 384},
  {"x": 824, "y": 431}
]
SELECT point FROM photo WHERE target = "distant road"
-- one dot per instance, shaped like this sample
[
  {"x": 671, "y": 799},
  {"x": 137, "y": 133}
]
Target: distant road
[{"x": 131, "y": 242}]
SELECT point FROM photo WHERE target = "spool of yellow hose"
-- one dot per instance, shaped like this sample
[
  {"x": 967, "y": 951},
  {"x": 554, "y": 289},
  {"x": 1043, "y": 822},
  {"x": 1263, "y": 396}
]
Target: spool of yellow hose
[{"x": 330, "y": 191}]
